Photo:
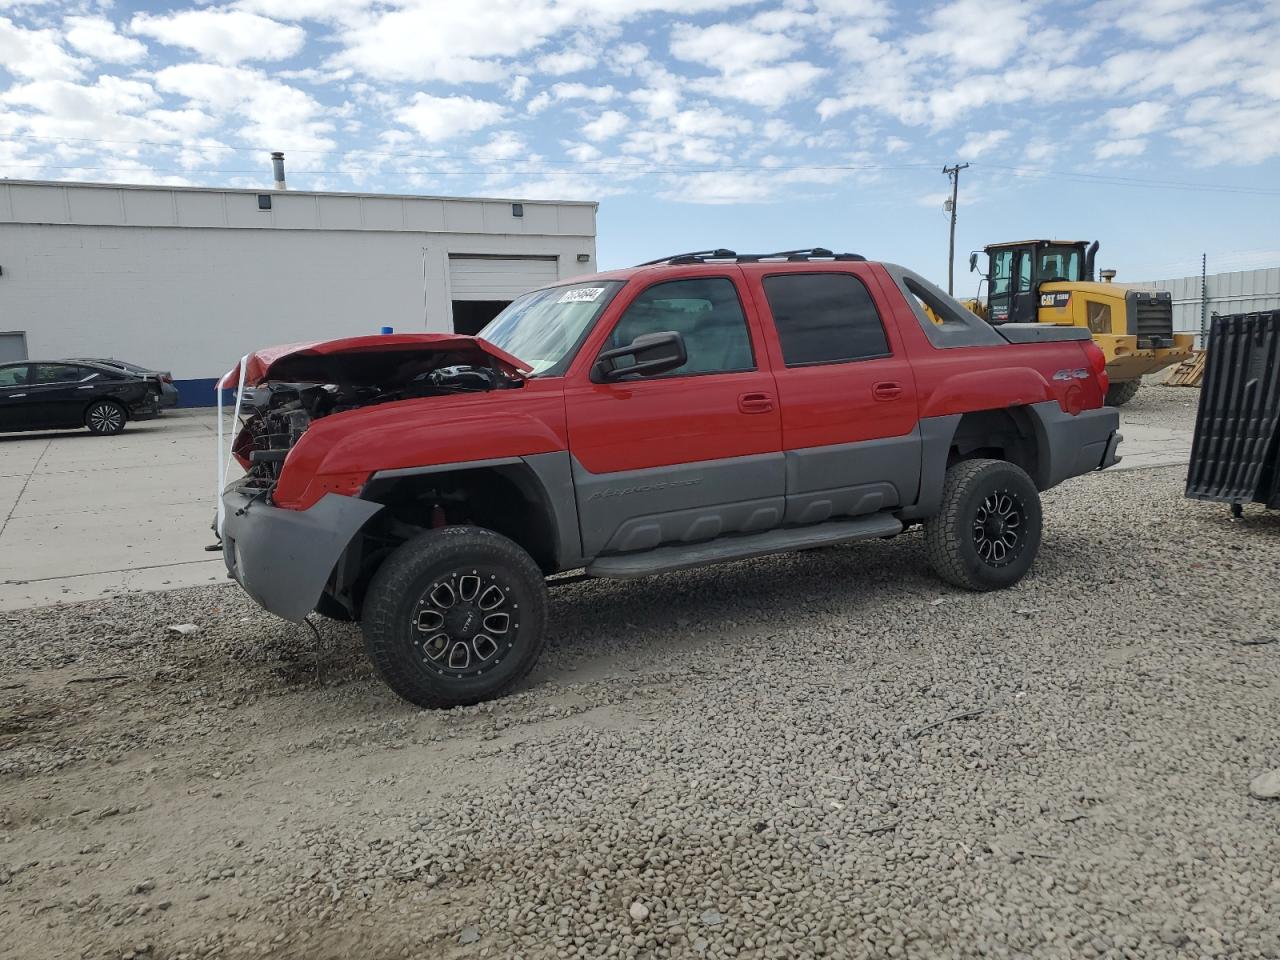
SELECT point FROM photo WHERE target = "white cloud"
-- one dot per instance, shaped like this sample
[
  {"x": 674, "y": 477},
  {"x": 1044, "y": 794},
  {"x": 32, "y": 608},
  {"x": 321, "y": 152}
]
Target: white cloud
[
  {"x": 565, "y": 61},
  {"x": 539, "y": 103},
  {"x": 748, "y": 61},
  {"x": 1160, "y": 21},
  {"x": 442, "y": 118},
  {"x": 1039, "y": 151},
  {"x": 606, "y": 126},
  {"x": 518, "y": 88},
  {"x": 582, "y": 152},
  {"x": 325, "y": 10},
  {"x": 1119, "y": 148},
  {"x": 225, "y": 36},
  {"x": 720, "y": 188},
  {"x": 709, "y": 122},
  {"x": 35, "y": 54},
  {"x": 895, "y": 145},
  {"x": 505, "y": 145},
  {"x": 73, "y": 103},
  {"x": 1219, "y": 130},
  {"x": 977, "y": 144},
  {"x": 728, "y": 47},
  {"x": 660, "y": 100},
  {"x": 974, "y": 34},
  {"x": 768, "y": 87},
  {"x": 580, "y": 91},
  {"x": 263, "y": 109},
  {"x": 1138, "y": 120},
  {"x": 96, "y": 37}
]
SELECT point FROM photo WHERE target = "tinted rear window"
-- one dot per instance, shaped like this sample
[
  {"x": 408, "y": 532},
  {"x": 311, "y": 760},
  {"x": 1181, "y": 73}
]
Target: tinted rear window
[{"x": 824, "y": 318}]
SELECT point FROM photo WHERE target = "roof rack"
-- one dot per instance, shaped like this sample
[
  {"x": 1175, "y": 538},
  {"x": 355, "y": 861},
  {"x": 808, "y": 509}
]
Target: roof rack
[{"x": 789, "y": 256}]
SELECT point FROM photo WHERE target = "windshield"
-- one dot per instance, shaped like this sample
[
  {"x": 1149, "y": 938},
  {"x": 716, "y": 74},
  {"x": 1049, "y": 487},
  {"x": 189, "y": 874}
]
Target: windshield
[
  {"x": 1059, "y": 263},
  {"x": 543, "y": 327}
]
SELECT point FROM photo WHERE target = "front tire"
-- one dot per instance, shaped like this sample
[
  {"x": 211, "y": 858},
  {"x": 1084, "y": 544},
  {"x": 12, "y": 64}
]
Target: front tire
[
  {"x": 987, "y": 532},
  {"x": 1118, "y": 394},
  {"x": 455, "y": 616},
  {"x": 105, "y": 418}
]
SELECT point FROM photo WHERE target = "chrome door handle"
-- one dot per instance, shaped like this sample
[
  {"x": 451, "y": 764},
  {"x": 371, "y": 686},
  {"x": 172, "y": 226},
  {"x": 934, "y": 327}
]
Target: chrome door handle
[{"x": 15, "y": 396}]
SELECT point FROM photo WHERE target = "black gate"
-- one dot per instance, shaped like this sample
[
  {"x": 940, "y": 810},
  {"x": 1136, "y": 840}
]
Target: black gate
[{"x": 1235, "y": 456}]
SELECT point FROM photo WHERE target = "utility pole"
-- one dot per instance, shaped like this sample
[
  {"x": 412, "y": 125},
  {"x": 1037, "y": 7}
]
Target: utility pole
[{"x": 954, "y": 173}]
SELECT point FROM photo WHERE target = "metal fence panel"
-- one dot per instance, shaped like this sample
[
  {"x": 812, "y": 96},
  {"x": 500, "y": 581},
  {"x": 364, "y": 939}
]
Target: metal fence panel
[
  {"x": 1235, "y": 454},
  {"x": 1241, "y": 291}
]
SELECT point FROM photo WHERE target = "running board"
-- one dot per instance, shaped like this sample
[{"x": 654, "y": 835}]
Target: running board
[{"x": 682, "y": 556}]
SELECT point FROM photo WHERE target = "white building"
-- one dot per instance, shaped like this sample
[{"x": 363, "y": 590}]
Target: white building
[
  {"x": 1242, "y": 291},
  {"x": 188, "y": 279}
]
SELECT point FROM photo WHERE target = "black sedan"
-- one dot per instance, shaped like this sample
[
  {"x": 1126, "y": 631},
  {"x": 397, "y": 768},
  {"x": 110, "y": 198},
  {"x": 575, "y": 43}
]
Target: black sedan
[
  {"x": 161, "y": 380},
  {"x": 48, "y": 396}
]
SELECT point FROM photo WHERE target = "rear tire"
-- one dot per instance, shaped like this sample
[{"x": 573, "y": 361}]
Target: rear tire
[
  {"x": 987, "y": 532},
  {"x": 1118, "y": 394},
  {"x": 105, "y": 418},
  {"x": 455, "y": 616}
]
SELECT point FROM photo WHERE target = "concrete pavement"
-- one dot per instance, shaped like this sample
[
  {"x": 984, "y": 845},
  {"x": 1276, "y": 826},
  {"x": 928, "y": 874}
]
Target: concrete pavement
[{"x": 83, "y": 517}]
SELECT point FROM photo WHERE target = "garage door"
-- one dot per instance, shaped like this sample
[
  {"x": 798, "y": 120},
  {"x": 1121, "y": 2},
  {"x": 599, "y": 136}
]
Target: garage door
[{"x": 493, "y": 278}]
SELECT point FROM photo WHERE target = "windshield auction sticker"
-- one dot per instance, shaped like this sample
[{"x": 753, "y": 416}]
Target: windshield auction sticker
[{"x": 581, "y": 295}]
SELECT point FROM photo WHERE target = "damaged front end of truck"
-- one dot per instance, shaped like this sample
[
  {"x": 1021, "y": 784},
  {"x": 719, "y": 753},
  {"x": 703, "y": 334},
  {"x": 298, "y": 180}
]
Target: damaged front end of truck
[{"x": 285, "y": 532}]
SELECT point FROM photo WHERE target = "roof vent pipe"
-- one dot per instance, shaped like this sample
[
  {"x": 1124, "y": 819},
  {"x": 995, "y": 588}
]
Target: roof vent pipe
[{"x": 277, "y": 166}]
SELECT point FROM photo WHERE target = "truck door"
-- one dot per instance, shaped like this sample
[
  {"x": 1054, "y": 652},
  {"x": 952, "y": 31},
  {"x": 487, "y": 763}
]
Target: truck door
[
  {"x": 1024, "y": 307},
  {"x": 686, "y": 455},
  {"x": 848, "y": 396},
  {"x": 1000, "y": 286}
]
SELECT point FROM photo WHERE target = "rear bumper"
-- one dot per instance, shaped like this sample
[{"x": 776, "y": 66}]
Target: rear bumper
[
  {"x": 169, "y": 395},
  {"x": 145, "y": 409},
  {"x": 1074, "y": 445},
  {"x": 282, "y": 558}
]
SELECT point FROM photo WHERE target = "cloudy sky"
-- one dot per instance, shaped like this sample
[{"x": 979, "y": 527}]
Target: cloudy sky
[{"x": 1151, "y": 125}]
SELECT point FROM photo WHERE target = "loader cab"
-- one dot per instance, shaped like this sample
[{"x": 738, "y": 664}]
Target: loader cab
[{"x": 1016, "y": 270}]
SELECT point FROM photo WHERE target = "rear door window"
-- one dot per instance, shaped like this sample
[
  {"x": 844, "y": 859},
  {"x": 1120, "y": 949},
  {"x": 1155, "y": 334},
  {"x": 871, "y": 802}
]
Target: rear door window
[
  {"x": 14, "y": 376},
  {"x": 57, "y": 373},
  {"x": 824, "y": 318}
]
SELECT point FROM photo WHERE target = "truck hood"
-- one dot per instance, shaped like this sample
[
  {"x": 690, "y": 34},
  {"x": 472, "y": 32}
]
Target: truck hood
[{"x": 353, "y": 358}]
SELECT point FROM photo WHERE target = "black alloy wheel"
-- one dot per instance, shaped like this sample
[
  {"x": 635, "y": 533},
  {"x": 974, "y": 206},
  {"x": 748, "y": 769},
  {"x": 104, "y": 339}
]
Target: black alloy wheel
[
  {"x": 455, "y": 616},
  {"x": 106, "y": 418},
  {"x": 986, "y": 532}
]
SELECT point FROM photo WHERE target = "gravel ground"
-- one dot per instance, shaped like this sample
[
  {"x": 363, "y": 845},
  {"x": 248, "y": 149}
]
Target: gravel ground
[{"x": 824, "y": 753}]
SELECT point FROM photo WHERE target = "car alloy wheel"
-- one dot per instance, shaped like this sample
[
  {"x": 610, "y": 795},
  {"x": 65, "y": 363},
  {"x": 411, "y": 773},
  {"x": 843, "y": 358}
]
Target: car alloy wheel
[
  {"x": 106, "y": 418},
  {"x": 997, "y": 528},
  {"x": 466, "y": 623}
]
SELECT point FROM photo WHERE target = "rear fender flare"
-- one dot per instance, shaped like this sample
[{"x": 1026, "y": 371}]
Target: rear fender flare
[{"x": 972, "y": 391}]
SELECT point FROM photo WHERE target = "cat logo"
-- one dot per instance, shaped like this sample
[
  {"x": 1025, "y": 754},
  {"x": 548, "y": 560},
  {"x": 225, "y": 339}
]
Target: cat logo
[{"x": 1058, "y": 300}]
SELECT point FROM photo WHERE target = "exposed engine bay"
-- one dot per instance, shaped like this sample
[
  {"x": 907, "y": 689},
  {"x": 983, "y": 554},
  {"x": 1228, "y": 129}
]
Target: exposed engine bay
[{"x": 283, "y": 408}]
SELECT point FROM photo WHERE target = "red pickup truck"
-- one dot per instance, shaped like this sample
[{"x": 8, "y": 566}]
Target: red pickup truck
[{"x": 700, "y": 408}]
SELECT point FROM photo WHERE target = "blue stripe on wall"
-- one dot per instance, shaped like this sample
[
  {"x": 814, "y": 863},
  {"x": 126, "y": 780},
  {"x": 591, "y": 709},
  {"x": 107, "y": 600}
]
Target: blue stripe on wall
[{"x": 199, "y": 393}]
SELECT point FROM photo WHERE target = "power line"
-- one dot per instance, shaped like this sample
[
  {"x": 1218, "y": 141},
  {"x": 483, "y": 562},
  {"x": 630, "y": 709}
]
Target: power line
[{"x": 1117, "y": 180}]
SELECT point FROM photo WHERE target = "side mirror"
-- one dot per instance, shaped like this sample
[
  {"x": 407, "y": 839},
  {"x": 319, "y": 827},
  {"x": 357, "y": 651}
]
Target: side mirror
[
  {"x": 645, "y": 356},
  {"x": 973, "y": 262}
]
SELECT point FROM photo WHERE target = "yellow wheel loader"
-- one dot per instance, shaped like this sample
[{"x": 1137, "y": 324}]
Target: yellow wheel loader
[{"x": 1051, "y": 281}]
